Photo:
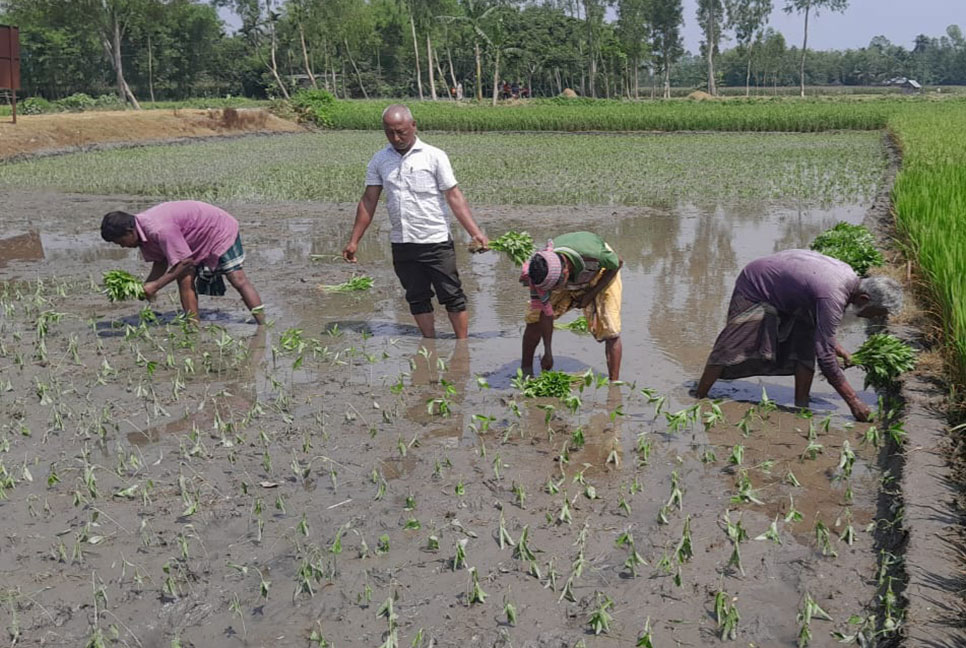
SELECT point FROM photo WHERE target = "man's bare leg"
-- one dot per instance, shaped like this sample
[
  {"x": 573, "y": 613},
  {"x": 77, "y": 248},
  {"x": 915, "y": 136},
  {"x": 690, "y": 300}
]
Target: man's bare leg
[
  {"x": 461, "y": 324},
  {"x": 708, "y": 378},
  {"x": 189, "y": 298},
  {"x": 613, "y": 350},
  {"x": 426, "y": 323},
  {"x": 239, "y": 280},
  {"x": 803, "y": 385},
  {"x": 531, "y": 338}
]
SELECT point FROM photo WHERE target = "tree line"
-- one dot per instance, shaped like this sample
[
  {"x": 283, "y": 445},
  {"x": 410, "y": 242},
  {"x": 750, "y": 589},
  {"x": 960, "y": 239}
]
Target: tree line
[{"x": 178, "y": 49}]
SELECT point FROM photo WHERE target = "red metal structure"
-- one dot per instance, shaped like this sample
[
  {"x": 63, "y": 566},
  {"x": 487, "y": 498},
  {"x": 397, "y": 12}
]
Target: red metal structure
[{"x": 10, "y": 64}]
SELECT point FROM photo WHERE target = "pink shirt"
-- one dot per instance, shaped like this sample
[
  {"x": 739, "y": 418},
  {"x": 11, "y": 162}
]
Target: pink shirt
[{"x": 186, "y": 229}]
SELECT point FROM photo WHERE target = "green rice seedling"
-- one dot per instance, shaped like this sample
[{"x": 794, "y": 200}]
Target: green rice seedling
[
  {"x": 676, "y": 497},
  {"x": 509, "y": 609},
  {"x": 579, "y": 326},
  {"x": 810, "y": 609},
  {"x": 848, "y": 533},
  {"x": 766, "y": 405},
  {"x": 564, "y": 516},
  {"x": 644, "y": 445},
  {"x": 736, "y": 534},
  {"x": 746, "y": 493},
  {"x": 477, "y": 595},
  {"x": 382, "y": 546},
  {"x": 713, "y": 416},
  {"x": 823, "y": 539},
  {"x": 600, "y": 619},
  {"x": 846, "y": 461},
  {"x": 864, "y": 634},
  {"x": 811, "y": 450},
  {"x": 793, "y": 514},
  {"x": 853, "y": 244},
  {"x": 884, "y": 358},
  {"x": 737, "y": 454},
  {"x": 522, "y": 549},
  {"x": 676, "y": 421},
  {"x": 548, "y": 384},
  {"x": 872, "y": 436},
  {"x": 684, "y": 550},
  {"x": 708, "y": 456},
  {"x": 644, "y": 640},
  {"x": 119, "y": 285},
  {"x": 792, "y": 480},
  {"x": 459, "y": 558},
  {"x": 519, "y": 494},
  {"x": 726, "y": 616},
  {"x": 634, "y": 559},
  {"x": 518, "y": 246},
  {"x": 355, "y": 284},
  {"x": 503, "y": 534}
]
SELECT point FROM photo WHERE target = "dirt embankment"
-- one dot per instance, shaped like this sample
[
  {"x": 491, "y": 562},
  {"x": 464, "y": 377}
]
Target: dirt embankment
[{"x": 67, "y": 131}]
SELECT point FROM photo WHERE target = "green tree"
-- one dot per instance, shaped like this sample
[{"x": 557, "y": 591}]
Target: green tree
[
  {"x": 666, "y": 18},
  {"x": 633, "y": 31},
  {"x": 711, "y": 18},
  {"x": 476, "y": 15},
  {"x": 748, "y": 19},
  {"x": 806, "y": 7}
]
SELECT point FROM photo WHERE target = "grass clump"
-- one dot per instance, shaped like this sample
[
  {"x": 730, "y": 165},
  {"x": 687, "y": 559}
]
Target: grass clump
[
  {"x": 355, "y": 284},
  {"x": 884, "y": 358},
  {"x": 516, "y": 245},
  {"x": 853, "y": 244},
  {"x": 121, "y": 286},
  {"x": 549, "y": 383}
]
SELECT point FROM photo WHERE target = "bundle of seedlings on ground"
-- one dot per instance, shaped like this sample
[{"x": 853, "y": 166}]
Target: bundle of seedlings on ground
[
  {"x": 516, "y": 245},
  {"x": 120, "y": 286},
  {"x": 853, "y": 244},
  {"x": 356, "y": 284},
  {"x": 884, "y": 357},
  {"x": 549, "y": 383},
  {"x": 579, "y": 325}
]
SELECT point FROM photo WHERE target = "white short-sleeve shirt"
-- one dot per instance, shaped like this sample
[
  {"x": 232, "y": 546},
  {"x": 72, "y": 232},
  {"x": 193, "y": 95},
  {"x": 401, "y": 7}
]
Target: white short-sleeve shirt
[{"x": 414, "y": 184}]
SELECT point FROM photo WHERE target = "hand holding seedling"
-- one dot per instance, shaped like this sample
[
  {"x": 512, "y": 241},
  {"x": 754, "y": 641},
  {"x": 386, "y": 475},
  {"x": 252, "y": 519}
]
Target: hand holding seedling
[
  {"x": 151, "y": 290},
  {"x": 349, "y": 253}
]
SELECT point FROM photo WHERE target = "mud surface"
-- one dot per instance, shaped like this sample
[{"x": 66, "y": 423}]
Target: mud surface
[
  {"x": 46, "y": 134},
  {"x": 242, "y": 487}
]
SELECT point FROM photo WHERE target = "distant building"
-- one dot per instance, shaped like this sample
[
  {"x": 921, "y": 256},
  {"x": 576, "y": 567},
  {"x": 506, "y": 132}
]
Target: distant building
[{"x": 909, "y": 86}]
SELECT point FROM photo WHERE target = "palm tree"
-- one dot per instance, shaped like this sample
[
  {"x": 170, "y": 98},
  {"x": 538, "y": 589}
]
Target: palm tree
[{"x": 475, "y": 14}]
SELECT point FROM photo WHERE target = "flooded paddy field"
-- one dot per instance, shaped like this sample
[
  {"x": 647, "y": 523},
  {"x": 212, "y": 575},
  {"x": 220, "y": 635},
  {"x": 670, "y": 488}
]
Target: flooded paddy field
[{"x": 277, "y": 486}]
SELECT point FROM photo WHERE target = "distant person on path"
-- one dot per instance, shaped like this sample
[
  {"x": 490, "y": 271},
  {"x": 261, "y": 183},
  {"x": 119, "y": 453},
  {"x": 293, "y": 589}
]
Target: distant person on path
[
  {"x": 190, "y": 242},
  {"x": 459, "y": 91},
  {"x": 419, "y": 184},
  {"x": 576, "y": 270},
  {"x": 784, "y": 313}
]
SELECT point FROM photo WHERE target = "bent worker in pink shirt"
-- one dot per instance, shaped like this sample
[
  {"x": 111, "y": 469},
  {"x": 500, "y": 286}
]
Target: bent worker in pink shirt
[{"x": 190, "y": 242}]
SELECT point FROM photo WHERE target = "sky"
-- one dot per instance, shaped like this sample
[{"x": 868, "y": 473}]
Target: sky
[{"x": 898, "y": 20}]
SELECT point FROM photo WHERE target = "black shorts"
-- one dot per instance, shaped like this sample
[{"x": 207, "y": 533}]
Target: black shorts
[{"x": 422, "y": 267}]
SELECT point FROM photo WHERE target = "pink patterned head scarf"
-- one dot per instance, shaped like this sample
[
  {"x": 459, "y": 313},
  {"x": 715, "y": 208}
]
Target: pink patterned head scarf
[{"x": 538, "y": 297}]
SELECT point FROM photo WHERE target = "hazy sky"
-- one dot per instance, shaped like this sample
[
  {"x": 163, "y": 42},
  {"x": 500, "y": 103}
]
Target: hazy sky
[{"x": 898, "y": 20}]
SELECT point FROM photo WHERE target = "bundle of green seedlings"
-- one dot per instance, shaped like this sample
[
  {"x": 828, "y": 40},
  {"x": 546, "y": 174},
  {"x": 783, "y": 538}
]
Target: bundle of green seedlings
[
  {"x": 355, "y": 284},
  {"x": 853, "y": 244},
  {"x": 120, "y": 286},
  {"x": 549, "y": 383},
  {"x": 884, "y": 358},
  {"x": 516, "y": 245},
  {"x": 579, "y": 325}
]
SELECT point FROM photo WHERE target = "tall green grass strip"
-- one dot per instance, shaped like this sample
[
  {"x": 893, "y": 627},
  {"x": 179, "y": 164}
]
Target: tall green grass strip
[{"x": 929, "y": 197}]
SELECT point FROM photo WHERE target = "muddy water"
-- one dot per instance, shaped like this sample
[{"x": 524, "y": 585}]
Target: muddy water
[{"x": 367, "y": 410}]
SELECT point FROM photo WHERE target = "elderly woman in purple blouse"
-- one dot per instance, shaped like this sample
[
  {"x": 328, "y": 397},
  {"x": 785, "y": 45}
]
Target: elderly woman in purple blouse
[{"x": 784, "y": 312}]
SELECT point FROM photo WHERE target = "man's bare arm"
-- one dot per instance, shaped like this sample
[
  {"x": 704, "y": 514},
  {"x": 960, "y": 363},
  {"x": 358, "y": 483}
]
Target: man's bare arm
[
  {"x": 461, "y": 210},
  {"x": 364, "y": 213}
]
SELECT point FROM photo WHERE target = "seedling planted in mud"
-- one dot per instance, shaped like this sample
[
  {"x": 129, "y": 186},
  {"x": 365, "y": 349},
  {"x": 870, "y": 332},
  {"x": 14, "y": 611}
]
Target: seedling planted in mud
[
  {"x": 684, "y": 550},
  {"x": 772, "y": 533},
  {"x": 810, "y": 609},
  {"x": 477, "y": 595},
  {"x": 509, "y": 609},
  {"x": 726, "y": 616},
  {"x": 645, "y": 640},
  {"x": 823, "y": 539},
  {"x": 600, "y": 619}
]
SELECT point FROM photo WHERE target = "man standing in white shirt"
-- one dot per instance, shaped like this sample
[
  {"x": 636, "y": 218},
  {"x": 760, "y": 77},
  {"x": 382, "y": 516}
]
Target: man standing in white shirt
[{"x": 419, "y": 184}]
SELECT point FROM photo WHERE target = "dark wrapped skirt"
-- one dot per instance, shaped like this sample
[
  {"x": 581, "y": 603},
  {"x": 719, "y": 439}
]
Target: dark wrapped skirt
[{"x": 760, "y": 341}]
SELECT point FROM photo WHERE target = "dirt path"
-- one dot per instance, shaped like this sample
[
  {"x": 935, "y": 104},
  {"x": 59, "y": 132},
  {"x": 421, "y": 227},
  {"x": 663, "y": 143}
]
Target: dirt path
[{"x": 67, "y": 131}]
